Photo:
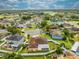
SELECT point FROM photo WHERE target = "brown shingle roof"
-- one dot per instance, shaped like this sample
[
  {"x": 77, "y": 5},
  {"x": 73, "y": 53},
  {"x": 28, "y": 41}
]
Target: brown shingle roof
[
  {"x": 75, "y": 29},
  {"x": 38, "y": 40},
  {"x": 34, "y": 41}
]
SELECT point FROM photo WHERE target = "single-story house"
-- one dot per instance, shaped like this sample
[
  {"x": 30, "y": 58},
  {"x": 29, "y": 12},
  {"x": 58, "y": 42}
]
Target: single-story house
[
  {"x": 4, "y": 23},
  {"x": 67, "y": 25},
  {"x": 3, "y": 33},
  {"x": 74, "y": 29},
  {"x": 15, "y": 40},
  {"x": 56, "y": 34},
  {"x": 37, "y": 19},
  {"x": 75, "y": 47},
  {"x": 53, "y": 27},
  {"x": 34, "y": 32},
  {"x": 38, "y": 44},
  {"x": 21, "y": 26},
  {"x": 58, "y": 22}
]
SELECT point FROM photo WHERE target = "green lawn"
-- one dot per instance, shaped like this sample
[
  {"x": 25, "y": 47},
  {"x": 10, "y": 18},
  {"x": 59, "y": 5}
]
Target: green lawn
[
  {"x": 1, "y": 16},
  {"x": 1, "y": 58},
  {"x": 34, "y": 57},
  {"x": 65, "y": 42},
  {"x": 45, "y": 36},
  {"x": 52, "y": 45},
  {"x": 1, "y": 42},
  {"x": 25, "y": 50}
]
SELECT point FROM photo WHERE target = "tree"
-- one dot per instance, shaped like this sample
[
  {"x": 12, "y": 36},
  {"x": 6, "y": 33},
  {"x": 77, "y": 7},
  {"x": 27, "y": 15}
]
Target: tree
[
  {"x": 47, "y": 17},
  {"x": 43, "y": 24},
  {"x": 59, "y": 50},
  {"x": 26, "y": 17},
  {"x": 28, "y": 36},
  {"x": 67, "y": 36},
  {"x": 14, "y": 30},
  {"x": 2, "y": 27}
]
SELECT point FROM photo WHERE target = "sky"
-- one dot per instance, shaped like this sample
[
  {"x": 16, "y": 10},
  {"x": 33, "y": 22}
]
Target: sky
[{"x": 39, "y": 4}]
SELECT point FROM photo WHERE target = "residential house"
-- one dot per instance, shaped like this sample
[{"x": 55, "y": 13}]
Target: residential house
[
  {"x": 4, "y": 23},
  {"x": 15, "y": 40},
  {"x": 21, "y": 26},
  {"x": 55, "y": 32},
  {"x": 37, "y": 19},
  {"x": 67, "y": 25},
  {"x": 38, "y": 44},
  {"x": 3, "y": 33},
  {"x": 75, "y": 48},
  {"x": 34, "y": 32},
  {"x": 57, "y": 21},
  {"x": 74, "y": 29}
]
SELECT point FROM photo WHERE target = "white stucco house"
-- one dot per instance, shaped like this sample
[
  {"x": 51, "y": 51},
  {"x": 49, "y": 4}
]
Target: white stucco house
[{"x": 75, "y": 47}]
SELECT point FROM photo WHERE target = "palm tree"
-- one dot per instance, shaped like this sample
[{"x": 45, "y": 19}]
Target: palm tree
[
  {"x": 67, "y": 36},
  {"x": 59, "y": 52},
  {"x": 28, "y": 36}
]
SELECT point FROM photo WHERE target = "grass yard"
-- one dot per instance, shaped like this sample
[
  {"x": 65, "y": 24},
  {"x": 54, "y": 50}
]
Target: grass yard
[
  {"x": 65, "y": 43},
  {"x": 1, "y": 16},
  {"x": 25, "y": 50},
  {"x": 1, "y": 58},
  {"x": 31, "y": 57},
  {"x": 52, "y": 45},
  {"x": 45, "y": 36},
  {"x": 1, "y": 42},
  {"x": 34, "y": 57}
]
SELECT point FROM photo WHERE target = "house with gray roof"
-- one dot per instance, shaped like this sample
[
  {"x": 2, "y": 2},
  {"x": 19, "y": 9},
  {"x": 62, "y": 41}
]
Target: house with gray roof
[{"x": 15, "y": 40}]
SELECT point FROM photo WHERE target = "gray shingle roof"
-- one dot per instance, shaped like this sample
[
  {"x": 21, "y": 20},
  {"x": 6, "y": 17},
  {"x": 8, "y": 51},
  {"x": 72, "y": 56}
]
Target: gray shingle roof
[{"x": 15, "y": 37}]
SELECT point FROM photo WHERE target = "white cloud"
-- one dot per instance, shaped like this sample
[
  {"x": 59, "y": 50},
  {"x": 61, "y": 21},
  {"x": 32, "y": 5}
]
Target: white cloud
[
  {"x": 40, "y": 4},
  {"x": 76, "y": 5},
  {"x": 58, "y": 6},
  {"x": 13, "y": 0},
  {"x": 34, "y": 4}
]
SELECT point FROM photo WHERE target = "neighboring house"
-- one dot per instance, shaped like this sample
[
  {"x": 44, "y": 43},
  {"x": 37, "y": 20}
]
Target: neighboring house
[
  {"x": 67, "y": 25},
  {"x": 38, "y": 44},
  {"x": 75, "y": 48},
  {"x": 34, "y": 32},
  {"x": 58, "y": 22},
  {"x": 37, "y": 19},
  {"x": 76, "y": 30},
  {"x": 3, "y": 33},
  {"x": 21, "y": 26},
  {"x": 56, "y": 33},
  {"x": 4, "y": 23},
  {"x": 15, "y": 40}
]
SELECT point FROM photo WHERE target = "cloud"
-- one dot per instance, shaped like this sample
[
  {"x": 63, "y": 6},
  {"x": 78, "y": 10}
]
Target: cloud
[
  {"x": 76, "y": 5},
  {"x": 38, "y": 4},
  {"x": 13, "y": 1}
]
